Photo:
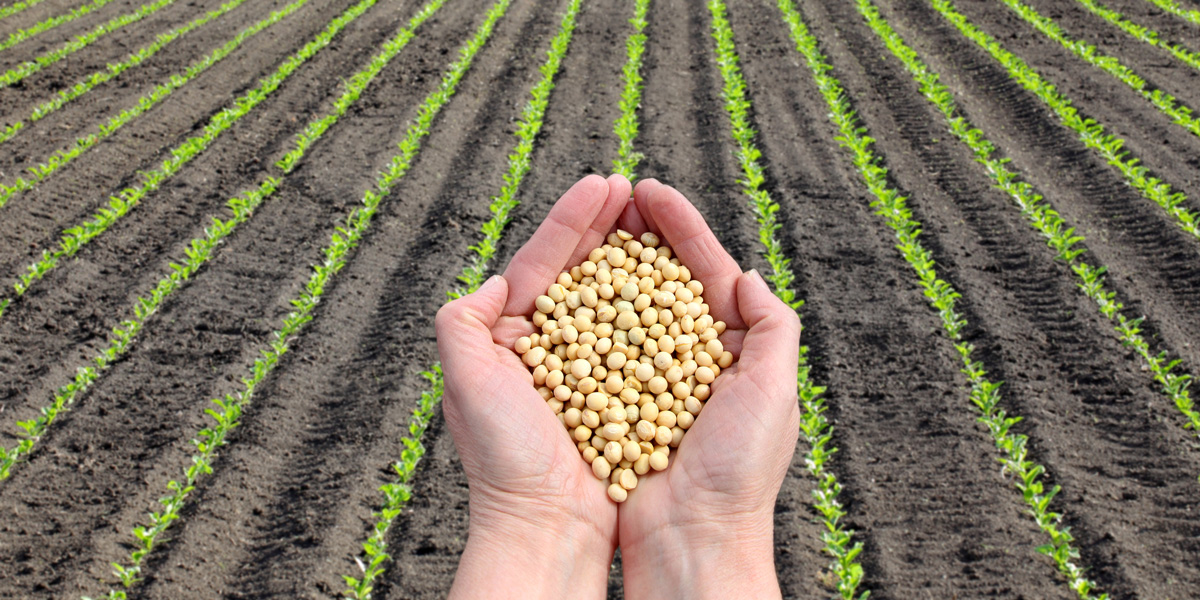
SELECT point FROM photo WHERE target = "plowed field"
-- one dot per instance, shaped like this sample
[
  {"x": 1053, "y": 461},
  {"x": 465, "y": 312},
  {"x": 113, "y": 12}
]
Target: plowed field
[{"x": 112, "y": 263}]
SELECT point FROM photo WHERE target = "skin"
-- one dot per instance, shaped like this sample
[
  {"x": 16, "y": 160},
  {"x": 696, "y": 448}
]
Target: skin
[{"x": 541, "y": 524}]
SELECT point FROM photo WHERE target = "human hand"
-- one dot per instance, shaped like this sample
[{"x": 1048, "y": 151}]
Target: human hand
[
  {"x": 534, "y": 504},
  {"x": 704, "y": 527}
]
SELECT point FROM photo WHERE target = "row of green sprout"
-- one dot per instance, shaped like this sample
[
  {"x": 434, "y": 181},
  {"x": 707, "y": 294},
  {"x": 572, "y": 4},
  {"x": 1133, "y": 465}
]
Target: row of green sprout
[
  {"x": 985, "y": 396},
  {"x": 29, "y": 67},
  {"x": 626, "y": 126},
  {"x": 1173, "y": 7},
  {"x": 814, "y": 425},
  {"x": 942, "y": 296},
  {"x": 17, "y": 7},
  {"x": 21, "y": 35},
  {"x": 1090, "y": 132},
  {"x": 398, "y": 492},
  {"x": 1168, "y": 104},
  {"x": 228, "y": 410},
  {"x": 60, "y": 158},
  {"x": 1142, "y": 33},
  {"x": 114, "y": 70},
  {"x": 76, "y": 237},
  {"x": 1063, "y": 239},
  {"x": 122, "y": 336}
]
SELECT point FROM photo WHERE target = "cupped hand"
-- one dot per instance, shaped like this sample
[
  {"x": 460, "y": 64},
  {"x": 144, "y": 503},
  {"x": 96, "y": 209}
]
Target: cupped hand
[
  {"x": 704, "y": 526},
  {"x": 534, "y": 503}
]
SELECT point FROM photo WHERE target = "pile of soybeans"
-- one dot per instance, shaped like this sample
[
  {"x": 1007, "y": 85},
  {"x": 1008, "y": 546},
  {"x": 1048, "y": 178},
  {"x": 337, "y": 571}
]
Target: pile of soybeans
[{"x": 625, "y": 357}]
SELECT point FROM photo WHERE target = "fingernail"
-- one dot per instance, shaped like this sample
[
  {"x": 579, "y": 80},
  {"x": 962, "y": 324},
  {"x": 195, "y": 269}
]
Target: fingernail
[
  {"x": 490, "y": 283},
  {"x": 758, "y": 279}
]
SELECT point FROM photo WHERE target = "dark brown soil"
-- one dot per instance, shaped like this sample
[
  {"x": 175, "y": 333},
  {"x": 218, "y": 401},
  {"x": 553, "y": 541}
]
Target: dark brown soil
[{"x": 291, "y": 497}]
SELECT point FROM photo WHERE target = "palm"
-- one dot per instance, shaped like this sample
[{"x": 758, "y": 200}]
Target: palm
[{"x": 734, "y": 457}]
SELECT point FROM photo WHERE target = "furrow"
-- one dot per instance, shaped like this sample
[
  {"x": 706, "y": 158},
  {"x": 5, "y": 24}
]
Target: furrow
[
  {"x": 1142, "y": 33},
  {"x": 398, "y": 493},
  {"x": 208, "y": 440},
  {"x": 59, "y": 159},
  {"x": 77, "y": 237},
  {"x": 25, "y": 69},
  {"x": 1110, "y": 147},
  {"x": 18, "y": 7},
  {"x": 17, "y": 37},
  {"x": 215, "y": 341},
  {"x": 942, "y": 296},
  {"x": 1084, "y": 397},
  {"x": 114, "y": 70},
  {"x": 815, "y": 427}
]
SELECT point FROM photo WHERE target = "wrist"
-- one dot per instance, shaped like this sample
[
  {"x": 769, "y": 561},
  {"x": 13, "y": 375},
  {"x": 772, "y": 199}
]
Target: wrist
[
  {"x": 700, "y": 560},
  {"x": 532, "y": 557}
]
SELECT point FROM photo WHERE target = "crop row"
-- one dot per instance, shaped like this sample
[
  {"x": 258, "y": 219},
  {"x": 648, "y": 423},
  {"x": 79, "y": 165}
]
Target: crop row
[
  {"x": 27, "y": 68},
  {"x": 1165, "y": 102},
  {"x": 124, "y": 335},
  {"x": 75, "y": 238},
  {"x": 228, "y": 410},
  {"x": 17, "y": 7},
  {"x": 1173, "y": 7},
  {"x": 398, "y": 493},
  {"x": 626, "y": 125},
  {"x": 59, "y": 159},
  {"x": 19, "y": 36},
  {"x": 114, "y": 70},
  {"x": 1141, "y": 32},
  {"x": 1042, "y": 217},
  {"x": 984, "y": 395},
  {"x": 1090, "y": 132},
  {"x": 814, "y": 425}
]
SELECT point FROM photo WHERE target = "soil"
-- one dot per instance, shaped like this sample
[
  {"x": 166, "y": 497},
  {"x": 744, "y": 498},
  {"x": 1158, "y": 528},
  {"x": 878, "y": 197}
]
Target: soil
[{"x": 291, "y": 497}]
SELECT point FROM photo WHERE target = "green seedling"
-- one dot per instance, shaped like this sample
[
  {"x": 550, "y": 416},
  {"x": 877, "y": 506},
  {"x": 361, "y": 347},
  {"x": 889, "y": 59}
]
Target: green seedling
[
  {"x": 17, "y": 37},
  {"x": 397, "y": 494},
  {"x": 9, "y": 11},
  {"x": 113, "y": 71},
  {"x": 626, "y": 125},
  {"x": 814, "y": 425},
  {"x": 25, "y": 69},
  {"x": 1090, "y": 132}
]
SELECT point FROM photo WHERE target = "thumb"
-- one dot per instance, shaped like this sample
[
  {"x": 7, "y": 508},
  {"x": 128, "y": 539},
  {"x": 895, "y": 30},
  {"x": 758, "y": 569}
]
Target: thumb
[
  {"x": 464, "y": 327},
  {"x": 770, "y": 350}
]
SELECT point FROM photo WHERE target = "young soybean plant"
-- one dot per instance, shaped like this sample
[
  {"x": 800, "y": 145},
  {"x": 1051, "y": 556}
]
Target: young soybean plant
[
  {"x": 892, "y": 206},
  {"x": 17, "y": 37},
  {"x": 1166, "y": 103},
  {"x": 626, "y": 125},
  {"x": 114, "y": 70},
  {"x": 398, "y": 493},
  {"x": 1090, "y": 132},
  {"x": 9, "y": 11},
  {"x": 1143, "y": 33},
  {"x": 25, "y": 69},
  {"x": 814, "y": 425},
  {"x": 1171, "y": 6},
  {"x": 75, "y": 238},
  {"x": 209, "y": 439},
  {"x": 62, "y": 157},
  {"x": 1042, "y": 217},
  {"x": 198, "y": 253}
]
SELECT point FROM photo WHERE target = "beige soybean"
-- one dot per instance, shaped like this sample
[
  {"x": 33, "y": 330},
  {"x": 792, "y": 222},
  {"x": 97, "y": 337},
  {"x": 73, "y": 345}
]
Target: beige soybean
[{"x": 623, "y": 353}]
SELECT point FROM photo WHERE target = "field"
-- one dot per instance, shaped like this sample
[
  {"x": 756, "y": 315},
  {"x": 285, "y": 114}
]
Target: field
[{"x": 227, "y": 228}]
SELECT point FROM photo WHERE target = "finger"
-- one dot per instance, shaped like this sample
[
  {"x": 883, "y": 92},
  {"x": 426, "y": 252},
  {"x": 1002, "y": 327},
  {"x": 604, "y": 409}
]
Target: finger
[
  {"x": 464, "y": 333},
  {"x": 770, "y": 350},
  {"x": 694, "y": 243},
  {"x": 614, "y": 206},
  {"x": 640, "y": 193},
  {"x": 539, "y": 261},
  {"x": 632, "y": 221}
]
